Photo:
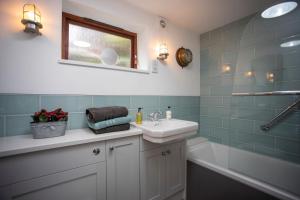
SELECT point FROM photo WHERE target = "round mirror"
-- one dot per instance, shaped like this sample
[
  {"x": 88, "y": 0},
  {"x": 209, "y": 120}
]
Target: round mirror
[{"x": 184, "y": 57}]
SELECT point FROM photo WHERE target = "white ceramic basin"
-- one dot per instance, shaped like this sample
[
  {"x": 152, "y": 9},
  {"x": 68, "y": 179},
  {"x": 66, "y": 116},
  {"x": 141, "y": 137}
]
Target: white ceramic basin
[{"x": 167, "y": 130}]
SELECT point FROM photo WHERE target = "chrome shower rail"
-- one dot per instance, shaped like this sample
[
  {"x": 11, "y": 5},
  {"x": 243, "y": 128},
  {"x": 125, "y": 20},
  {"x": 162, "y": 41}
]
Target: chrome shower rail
[
  {"x": 275, "y": 93},
  {"x": 280, "y": 116}
]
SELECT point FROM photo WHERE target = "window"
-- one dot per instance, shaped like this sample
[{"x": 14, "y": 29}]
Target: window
[{"x": 91, "y": 41}]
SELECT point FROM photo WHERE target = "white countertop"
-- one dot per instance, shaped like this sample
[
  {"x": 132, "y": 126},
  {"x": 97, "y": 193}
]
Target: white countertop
[{"x": 20, "y": 144}]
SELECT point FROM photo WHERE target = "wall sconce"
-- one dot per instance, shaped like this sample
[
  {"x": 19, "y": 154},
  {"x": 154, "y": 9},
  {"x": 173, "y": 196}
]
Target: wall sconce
[
  {"x": 163, "y": 52},
  {"x": 31, "y": 19},
  {"x": 163, "y": 49}
]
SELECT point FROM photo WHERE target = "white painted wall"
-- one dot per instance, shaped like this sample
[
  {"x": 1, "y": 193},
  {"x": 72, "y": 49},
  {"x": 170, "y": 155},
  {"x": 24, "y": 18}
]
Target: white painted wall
[{"x": 29, "y": 64}]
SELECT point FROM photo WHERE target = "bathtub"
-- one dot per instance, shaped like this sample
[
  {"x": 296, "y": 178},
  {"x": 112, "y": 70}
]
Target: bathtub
[{"x": 272, "y": 176}]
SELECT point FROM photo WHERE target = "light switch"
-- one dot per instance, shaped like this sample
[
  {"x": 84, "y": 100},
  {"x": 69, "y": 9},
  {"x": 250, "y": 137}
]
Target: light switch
[{"x": 155, "y": 66}]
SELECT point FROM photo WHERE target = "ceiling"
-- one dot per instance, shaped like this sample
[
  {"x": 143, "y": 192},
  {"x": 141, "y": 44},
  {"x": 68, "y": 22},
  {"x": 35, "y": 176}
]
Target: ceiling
[{"x": 201, "y": 15}]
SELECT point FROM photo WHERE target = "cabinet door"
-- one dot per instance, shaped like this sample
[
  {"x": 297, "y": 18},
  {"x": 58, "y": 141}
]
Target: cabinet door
[
  {"x": 83, "y": 183},
  {"x": 123, "y": 169},
  {"x": 175, "y": 168},
  {"x": 152, "y": 174}
]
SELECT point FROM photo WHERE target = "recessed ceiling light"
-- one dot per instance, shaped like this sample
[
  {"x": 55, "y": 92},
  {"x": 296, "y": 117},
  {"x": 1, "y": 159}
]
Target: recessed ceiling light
[
  {"x": 292, "y": 43},
  {"x": 80, "y": 43},
  {"x": 279, "y": 9}
]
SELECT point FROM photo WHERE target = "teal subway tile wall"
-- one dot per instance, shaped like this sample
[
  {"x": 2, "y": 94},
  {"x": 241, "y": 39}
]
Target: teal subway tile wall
[
  {"x": 2, "y": 122},
  {"x": 11, "y": 105},
  {"x": 68, "y": 103},
  {"x": 16, "y": 109},
  {"x": 245, "y": 56}
]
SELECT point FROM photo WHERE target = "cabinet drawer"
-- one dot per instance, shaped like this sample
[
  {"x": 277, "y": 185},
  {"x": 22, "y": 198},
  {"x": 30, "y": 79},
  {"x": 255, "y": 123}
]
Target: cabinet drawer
[
  {"x": 87, "y": 182},
  {"x": 27, "y": 166}
]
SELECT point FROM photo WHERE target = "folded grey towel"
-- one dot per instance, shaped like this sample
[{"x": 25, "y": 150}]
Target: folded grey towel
[
  {"x": 105, "y": 113},
  {"x": 121, "y": 127}
]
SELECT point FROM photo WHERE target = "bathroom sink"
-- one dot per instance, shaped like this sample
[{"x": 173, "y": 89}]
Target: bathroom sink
[{"x": 167, "y": 130}]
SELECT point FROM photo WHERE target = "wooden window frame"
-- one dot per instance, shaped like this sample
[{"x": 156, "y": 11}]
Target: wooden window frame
[{"x": 98, "y": 26}]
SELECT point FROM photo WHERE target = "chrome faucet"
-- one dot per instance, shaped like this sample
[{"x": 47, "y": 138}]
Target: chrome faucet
[{"x": 155, "y": 116}]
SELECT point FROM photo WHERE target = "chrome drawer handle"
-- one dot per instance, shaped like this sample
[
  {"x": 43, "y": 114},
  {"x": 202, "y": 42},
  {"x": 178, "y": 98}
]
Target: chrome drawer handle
[
  {"x": 117, "y": 146},
  {"x": 96, "y": 151}
]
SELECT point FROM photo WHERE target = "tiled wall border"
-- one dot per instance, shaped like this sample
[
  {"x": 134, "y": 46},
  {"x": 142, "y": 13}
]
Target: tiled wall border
[{"x": 16, "y": 109}]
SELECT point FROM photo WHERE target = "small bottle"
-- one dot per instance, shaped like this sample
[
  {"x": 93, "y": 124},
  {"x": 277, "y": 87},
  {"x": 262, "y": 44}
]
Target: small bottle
[
  {"x": 169, "y": 113},
  {"x": 139, "y": 116}
]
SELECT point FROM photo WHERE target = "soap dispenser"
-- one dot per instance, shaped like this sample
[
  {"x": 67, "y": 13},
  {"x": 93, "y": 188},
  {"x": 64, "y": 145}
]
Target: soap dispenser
[
  {"x": 169, "y": 113},
  {"x": 139, "y": 116}
]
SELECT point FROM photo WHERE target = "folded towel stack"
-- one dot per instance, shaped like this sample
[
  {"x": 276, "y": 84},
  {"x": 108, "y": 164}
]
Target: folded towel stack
[{"x": 108, "y": 119}]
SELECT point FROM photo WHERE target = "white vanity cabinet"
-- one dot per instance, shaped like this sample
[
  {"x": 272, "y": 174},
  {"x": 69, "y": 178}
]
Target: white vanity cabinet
[
  {"x": 84, "y": 166},
  {"x": 162, "y": 170},
  {"x": 123, "y": 169},
  {"x": 92, "y": 171}
]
